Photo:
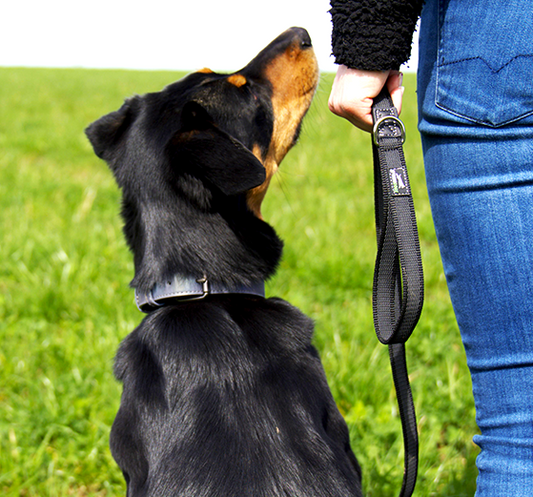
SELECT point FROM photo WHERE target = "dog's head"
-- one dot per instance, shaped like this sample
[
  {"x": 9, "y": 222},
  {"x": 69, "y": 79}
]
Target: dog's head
[{"x": 209, "y": 138}]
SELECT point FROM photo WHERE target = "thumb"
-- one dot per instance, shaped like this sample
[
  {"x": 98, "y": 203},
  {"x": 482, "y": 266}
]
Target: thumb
[{"x": 394, "y": 85}]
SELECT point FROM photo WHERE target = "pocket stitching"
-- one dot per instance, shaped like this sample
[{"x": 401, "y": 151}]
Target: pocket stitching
[
  {"x": 494, "y": 71},
  {"x": 469, "y": 118}
]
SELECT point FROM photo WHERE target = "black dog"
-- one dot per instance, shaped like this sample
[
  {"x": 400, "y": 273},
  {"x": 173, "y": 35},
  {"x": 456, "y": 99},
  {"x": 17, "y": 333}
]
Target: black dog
[{"x": 224, "y": 395}]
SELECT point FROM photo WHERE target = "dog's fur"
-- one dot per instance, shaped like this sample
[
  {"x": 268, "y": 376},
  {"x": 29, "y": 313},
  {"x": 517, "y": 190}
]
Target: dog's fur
[{"x": 224, "y": 396}]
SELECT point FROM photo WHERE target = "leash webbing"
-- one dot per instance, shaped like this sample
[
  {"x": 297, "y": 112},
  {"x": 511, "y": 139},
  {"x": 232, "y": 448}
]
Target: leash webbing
[{"x": 398, "y": 290}]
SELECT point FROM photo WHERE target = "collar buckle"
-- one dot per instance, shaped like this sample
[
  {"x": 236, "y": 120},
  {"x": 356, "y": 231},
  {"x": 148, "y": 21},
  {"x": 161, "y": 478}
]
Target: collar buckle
[{"x": 205, "y": 289}]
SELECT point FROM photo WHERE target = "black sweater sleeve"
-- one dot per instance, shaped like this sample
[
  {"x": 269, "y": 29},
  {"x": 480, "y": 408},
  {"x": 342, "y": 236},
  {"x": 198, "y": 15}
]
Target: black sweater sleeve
[{"x": 373, "y": 34}]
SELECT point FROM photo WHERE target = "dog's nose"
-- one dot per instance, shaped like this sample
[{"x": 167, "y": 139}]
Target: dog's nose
[{"x": 303, "y": 35}]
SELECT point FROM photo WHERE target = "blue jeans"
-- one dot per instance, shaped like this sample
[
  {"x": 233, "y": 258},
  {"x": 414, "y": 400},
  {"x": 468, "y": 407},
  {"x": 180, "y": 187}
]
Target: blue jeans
[{"x": 475, "y": 91}]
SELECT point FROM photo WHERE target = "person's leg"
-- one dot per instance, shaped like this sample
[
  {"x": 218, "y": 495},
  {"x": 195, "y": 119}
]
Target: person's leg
[{"x": 476, "y": 121}]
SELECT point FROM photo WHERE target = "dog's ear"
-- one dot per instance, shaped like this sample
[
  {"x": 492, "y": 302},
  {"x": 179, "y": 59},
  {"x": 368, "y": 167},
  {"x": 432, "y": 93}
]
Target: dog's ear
[
  {"x": 204, "y": 150},
  {"x": 105, "y": 133}
]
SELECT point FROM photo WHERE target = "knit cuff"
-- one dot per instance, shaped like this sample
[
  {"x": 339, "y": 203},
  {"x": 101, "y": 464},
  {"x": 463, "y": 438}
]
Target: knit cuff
[{"x": 373, "y": 35}]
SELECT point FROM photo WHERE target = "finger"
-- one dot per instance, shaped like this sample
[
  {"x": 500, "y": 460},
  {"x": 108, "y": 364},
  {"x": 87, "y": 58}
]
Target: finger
[
  {"x": 365, "y": 121},
  {"x": 394, "y": 85},
  {"x": 397, "y": 98},
  {"x": 351, "y": 107},
  {"x": 353, "y": 92}
]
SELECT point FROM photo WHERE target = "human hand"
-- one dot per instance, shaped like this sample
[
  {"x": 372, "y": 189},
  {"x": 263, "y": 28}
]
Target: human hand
[{"x": 353, "y": 92}]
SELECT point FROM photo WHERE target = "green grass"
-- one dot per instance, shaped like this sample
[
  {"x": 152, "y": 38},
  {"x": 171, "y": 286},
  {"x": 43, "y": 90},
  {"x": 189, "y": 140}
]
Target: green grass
[{"x": 65, "y": 302}]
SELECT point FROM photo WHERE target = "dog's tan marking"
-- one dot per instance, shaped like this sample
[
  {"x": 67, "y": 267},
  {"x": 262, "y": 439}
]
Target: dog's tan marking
[
  {"x": 294, "y": 78},
  {"x": 205, "y": 70},
  {"x": 292, "y": 95},
  {"x": 254, "y": 197},
  {"x": 238, "y": 80}
]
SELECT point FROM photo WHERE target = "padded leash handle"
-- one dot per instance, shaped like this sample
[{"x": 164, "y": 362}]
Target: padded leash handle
[{"x": 398, "y": 290}]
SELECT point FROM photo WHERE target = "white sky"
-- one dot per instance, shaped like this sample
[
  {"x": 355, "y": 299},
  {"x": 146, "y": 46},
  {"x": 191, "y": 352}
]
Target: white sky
[{"x": 157, "y": 34}]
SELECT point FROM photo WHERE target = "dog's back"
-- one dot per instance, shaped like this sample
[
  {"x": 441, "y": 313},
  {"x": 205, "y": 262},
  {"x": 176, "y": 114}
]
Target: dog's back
[{"x": 229, "y": 398}]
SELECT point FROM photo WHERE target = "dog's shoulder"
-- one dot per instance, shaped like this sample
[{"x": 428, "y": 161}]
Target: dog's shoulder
[
  {"x": 276, "y": 322},
  {"x": 189, "y": 330},
  {"x": 235, "y": 339}
]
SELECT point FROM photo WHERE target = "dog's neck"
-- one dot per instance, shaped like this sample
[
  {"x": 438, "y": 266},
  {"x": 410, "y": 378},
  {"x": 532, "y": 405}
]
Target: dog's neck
[{"x": 230, "y": 247}]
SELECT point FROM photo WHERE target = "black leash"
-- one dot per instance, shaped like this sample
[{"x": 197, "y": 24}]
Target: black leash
[{"x": 398, "y": 291}]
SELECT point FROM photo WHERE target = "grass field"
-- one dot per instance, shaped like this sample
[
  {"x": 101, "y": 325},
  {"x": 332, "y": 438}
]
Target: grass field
[{"x": 65, "y": 302}]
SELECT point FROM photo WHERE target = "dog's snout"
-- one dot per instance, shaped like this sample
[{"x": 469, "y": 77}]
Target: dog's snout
[
  {"x": 296, "y": 35},
  {"x": 294, "y": 40},
  {"x": 289, "y": 67},
  {"x": 303, "y": 36}
]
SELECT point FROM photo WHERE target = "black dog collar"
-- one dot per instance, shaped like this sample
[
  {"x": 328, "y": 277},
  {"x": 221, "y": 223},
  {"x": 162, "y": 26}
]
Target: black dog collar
[{"x": 185, "y": 289}]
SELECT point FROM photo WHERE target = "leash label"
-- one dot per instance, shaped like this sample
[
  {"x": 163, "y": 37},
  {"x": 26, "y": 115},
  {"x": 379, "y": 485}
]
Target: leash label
[{"x": 399, "y": 184}]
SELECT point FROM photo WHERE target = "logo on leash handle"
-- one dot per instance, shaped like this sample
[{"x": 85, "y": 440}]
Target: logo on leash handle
[{"x": 399, "y": 184}]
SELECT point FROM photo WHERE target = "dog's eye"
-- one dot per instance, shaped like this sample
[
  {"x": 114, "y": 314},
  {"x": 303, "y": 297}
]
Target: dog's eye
[{"x": 194, "y": 115}]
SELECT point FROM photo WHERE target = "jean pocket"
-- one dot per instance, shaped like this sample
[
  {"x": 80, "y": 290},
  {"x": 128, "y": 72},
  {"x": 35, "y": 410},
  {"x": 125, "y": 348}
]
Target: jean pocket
[{"x": 485, "y": 60}]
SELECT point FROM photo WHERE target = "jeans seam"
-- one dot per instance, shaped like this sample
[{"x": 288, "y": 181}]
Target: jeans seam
[
  {"x": 494, "y": 71},
  {"x": 481, "y": 122}
]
